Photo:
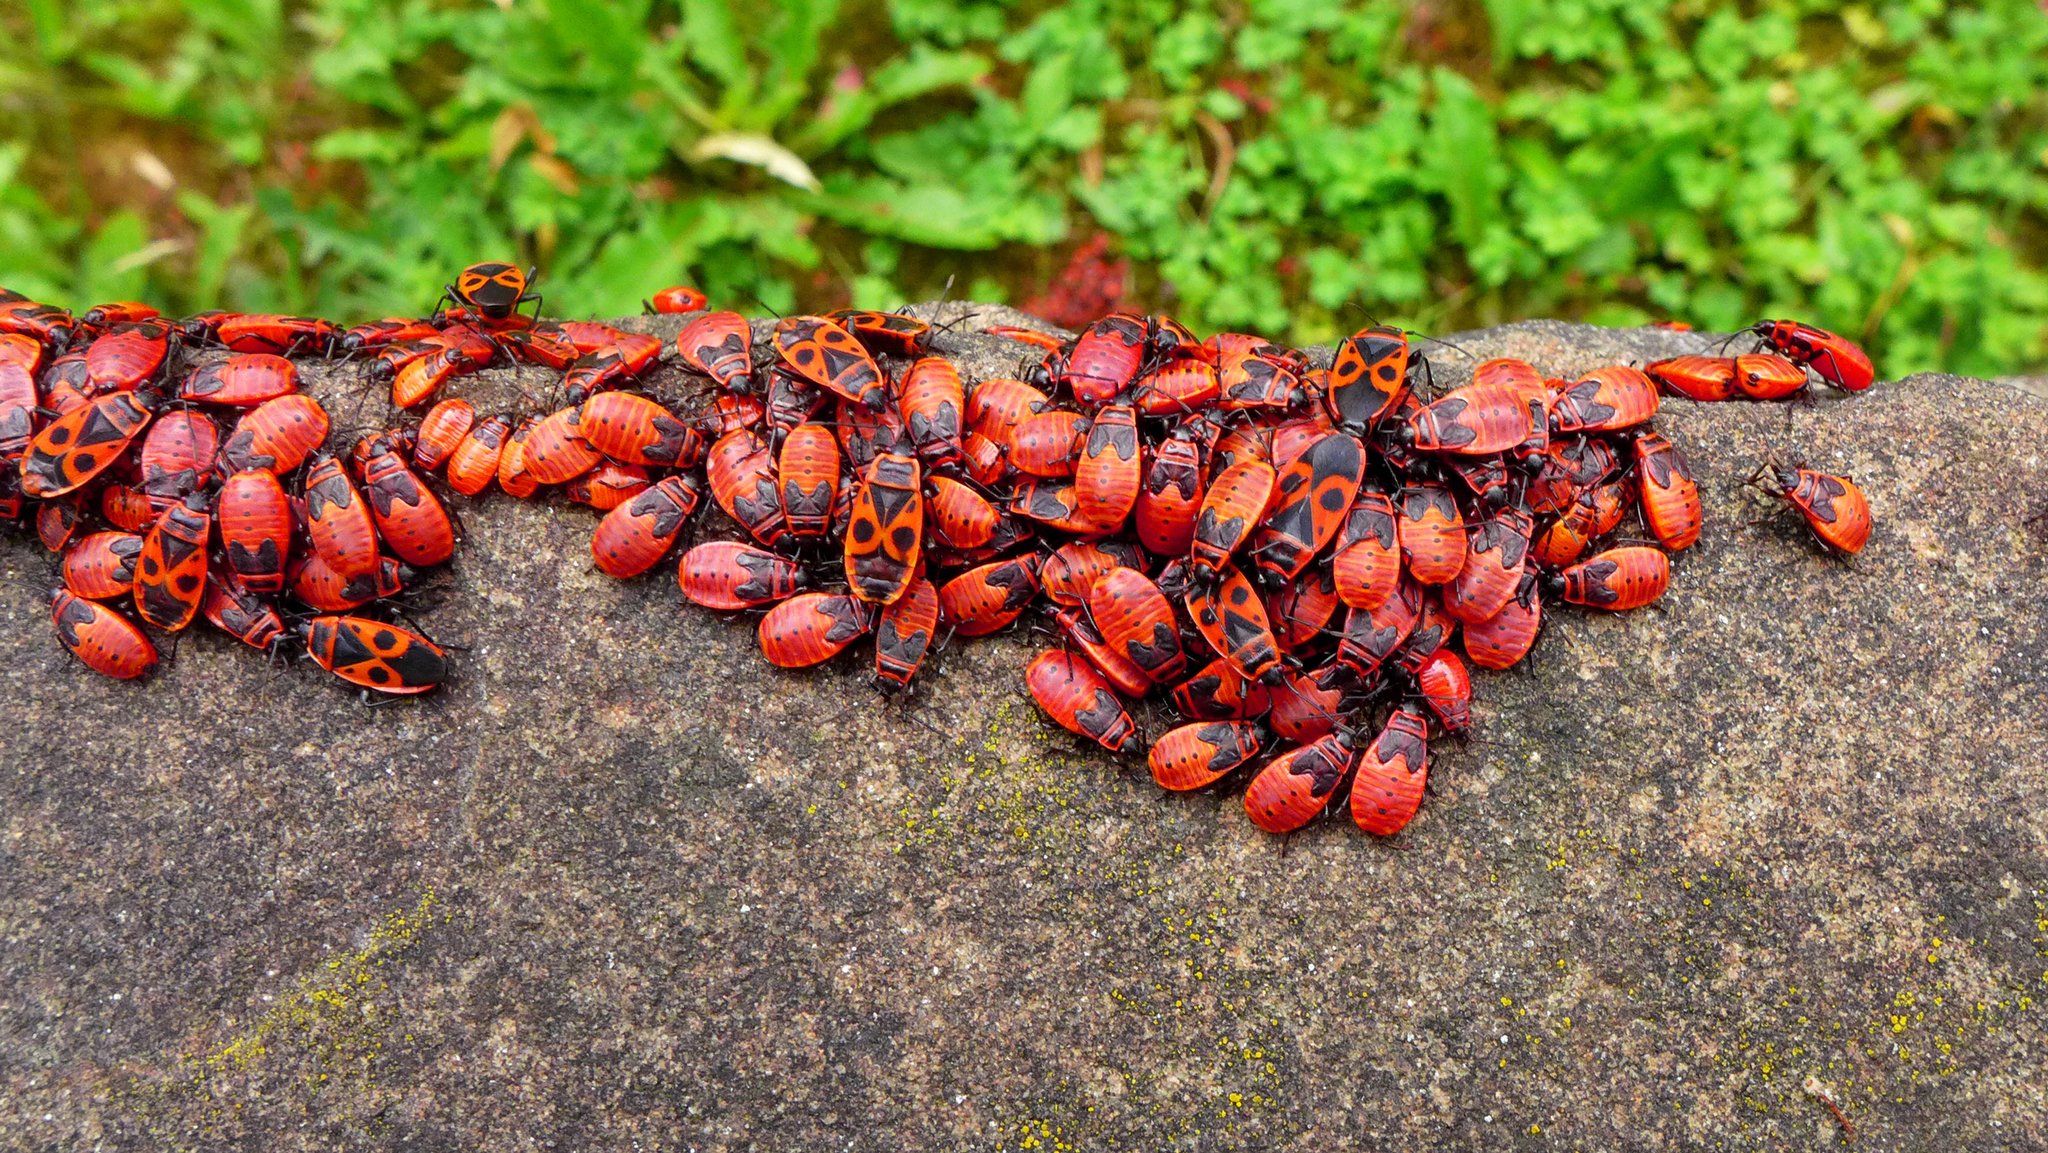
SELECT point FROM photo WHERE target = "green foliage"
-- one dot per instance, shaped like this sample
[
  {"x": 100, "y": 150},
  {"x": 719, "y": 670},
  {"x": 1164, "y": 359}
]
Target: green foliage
[{"x": 1292, "y": 166}]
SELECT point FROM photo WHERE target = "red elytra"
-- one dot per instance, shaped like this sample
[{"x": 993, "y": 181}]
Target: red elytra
[
  {"x": 83, "y": 443},
  {"x": 177, "y": 456},
  {"x": 1231, "y": 510},
  {"x": 1073, "y": 694},
  {"x": 241, "y": 381},
  {"x": 1367, "y": 565},
  {"x": 611, "y": 366},
  {"x": 677, "y": 298},
  {"x": 634, "y": 536},
  {"x": 377, "y": 334},
  {"x": 1031, "y": 336},
  {"x": 474, "y": 464},
  {"x": 828, "y": 356},
  {"x": 1833, "y": 506},
  {"x": 1170, "y": 497},
  {"x": 1392, "y": 773},
  {"x": 1762, "y": 376},
  {"x": 1605, "y": 400},
  {"x": 1446, "y": 687},
  {"x": 1669, "y": 496},
  {"x": 956, "y": 516},
  {"x": 1218, "y": 691},
  {"x": 315, "y": 584},
  {"x": 283, "y": 335},
  {"x": 1105, "y": 360},
  {"x": 1502, "y": 640},
  {"x": 1074, "y": 567},
  {"x": 1197, "y": 755},
  {"x": 1138, "y": 622},
  {"x": 1310, "y": 501},
  {"x": 421, "y": 377},
  {"x": 1708, "y": 378},
  {"x": 556, "y": 452},
  {"x": 101, "y": 565},
  {"x": 255, "y": 524},
  {"x": 931, "y": 402},
  {"x": 1255, "y": 379},
  {"x": 1591, "y": 516},
  {"x": 811, "y": 628},
  {"x": 1839, "y": 361},
  {"x": 128, "y": 357},
  {"x": 1432, "y": 533},
  {"x": 170, "y": 572},
  {"x": 1109, "y": 472},
  {"x": 1617, "y": 580},
  {"x": 1081, "y": 635},
  {"x": 1305, "y": 708},
  {"x": 126, "y": 508},
  {"x": 107, "y": 642},
  {"x": 1297, "y": 785},
  {"x": 240, "y": 613},
  {"x": 903, "y": 635},
  {"x": 1301, "y": 610},
  {"x": 277, "y": 435},
  {"x": 721, "y": 346},
  {"x": 998, "y": 405},
  {"x": 1179, "y": 388},
  {"x": 1371, "y": 636},
  {"x": 1368, "y": 377},
  {"x": 1048, "y": 444},
  {"x": 885, "y": 536},
  {"x": 989, "y": 597},
  {"x": 809, "y": 470},
  {"x": 1291, "y": 440},
  {"x": 441, "y": 432},
  {"x": 1229, "y": 615},
  {"x": 409, "y": 517},
  {"x": 1477, "y": 420},
  {"x": 549, "y": 349},
  {"x": 1495, "y": 554},
  {"x": 741, "y": 472},
  {"x": 374, "y": 655},
  {"x": 339, "y": 528},
  {"x": 513, "y": 478},
  {"x": 729, "y": 576}
]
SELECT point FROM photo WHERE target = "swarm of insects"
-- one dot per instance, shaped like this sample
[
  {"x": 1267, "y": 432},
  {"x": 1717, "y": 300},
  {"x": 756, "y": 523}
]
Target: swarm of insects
[{"x": 1299, "y": 563}]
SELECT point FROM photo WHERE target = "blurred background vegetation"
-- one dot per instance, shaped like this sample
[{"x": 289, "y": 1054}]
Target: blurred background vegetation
[{"x": 1287, "y": 166}]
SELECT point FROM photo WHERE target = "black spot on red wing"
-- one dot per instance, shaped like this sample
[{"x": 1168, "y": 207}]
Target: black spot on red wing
[
  {"x": 160, "y": 603},
  {"x": 849, "y": 619},
  {"x": 74, "y": 613},
  {"x": 1158, "y": 653},
  {"x": 418, "y": 664},
  {"x": 1103, "y": 717}
]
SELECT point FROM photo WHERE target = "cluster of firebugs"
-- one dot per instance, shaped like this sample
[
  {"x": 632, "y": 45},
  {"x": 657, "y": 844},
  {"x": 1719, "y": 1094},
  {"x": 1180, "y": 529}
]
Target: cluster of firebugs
[{"x": 1283, "y": 554}]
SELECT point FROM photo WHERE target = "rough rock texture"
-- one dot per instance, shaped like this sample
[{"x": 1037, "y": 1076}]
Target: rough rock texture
[{"x": 622, "y": 886}]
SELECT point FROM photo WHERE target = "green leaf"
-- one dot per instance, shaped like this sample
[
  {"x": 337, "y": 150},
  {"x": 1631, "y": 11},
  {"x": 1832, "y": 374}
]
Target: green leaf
[
  {"x": 222, "y": 229},
  {"x": 115, "y": 263},
  {"x": 714, "y": 44},
  {"x": 846, "y": 112},
  {"x": 1463, "y": 158}
]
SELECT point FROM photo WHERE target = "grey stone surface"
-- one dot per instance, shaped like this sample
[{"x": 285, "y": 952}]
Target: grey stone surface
[{"x": 622, "y": 886}]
